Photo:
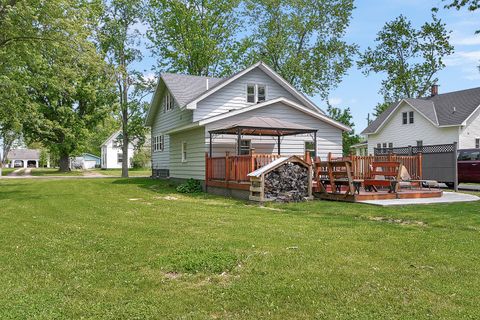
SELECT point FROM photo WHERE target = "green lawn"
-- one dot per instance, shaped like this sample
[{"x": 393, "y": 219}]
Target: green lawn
[
  {"x": 54, "y": 172},
  {"x": 142, "y": 172},
  {"x": 135, "y": 249},
  {"x": 6, "y": 171}
]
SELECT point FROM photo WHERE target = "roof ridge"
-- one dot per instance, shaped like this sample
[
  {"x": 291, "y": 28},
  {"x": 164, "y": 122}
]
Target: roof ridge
[{"x": 190, "y": 75}]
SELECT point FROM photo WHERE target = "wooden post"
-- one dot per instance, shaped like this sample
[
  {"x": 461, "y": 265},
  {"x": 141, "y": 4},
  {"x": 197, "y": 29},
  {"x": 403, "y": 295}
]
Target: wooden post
[
  {"x": 420, "y": 164},
  {"x": 252, "y": 160},
  {"x": 206, "y": 171},
  {"x": 227, "y": 168},
  {"x": 329, "y": 156},
  {"x": 278, "y": 145},
  {"x": 239, "y": 141}
]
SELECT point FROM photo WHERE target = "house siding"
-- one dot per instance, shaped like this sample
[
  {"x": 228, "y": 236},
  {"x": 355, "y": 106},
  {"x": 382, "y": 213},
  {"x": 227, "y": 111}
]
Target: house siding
[
  {"x": 329, "y": 138},
  {"x": 194, "y": 167},
  {"x": 234, "y": 95},
  {"x": 163, "y": 122},
  {"x": 402, "y": 135},
  {"x": 470, "y": 132},
  {"x": 109, "y": 155}
]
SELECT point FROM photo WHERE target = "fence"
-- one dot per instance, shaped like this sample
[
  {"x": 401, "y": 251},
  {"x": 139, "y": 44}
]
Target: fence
[
  {"x": 439, "y": 161},
  {"x": 361, "y": 164}
]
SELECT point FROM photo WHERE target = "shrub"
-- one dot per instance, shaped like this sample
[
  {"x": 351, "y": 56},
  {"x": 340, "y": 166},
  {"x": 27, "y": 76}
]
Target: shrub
[
  {"x": 142, "y": 158},
  {"x": 191, "y": 186}
]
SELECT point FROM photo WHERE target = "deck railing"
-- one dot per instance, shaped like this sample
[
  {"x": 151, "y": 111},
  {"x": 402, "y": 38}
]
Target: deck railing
[{"x": 361, "y": 165}]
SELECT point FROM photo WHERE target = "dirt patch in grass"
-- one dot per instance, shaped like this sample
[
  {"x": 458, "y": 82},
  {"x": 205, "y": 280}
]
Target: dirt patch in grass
[{"x": 399, "y": 221}]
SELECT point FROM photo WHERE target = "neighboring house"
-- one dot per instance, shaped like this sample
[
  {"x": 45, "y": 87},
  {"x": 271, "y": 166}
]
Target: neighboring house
[
  {"x": 185, "y": 108},
  {"x": 112, "y": 155},
  {"x": 359, "y": 149},
  {"x": 438, "y": 119},
  {"x": 85, "y": 161},
  {"x": 24, "y": 158}
]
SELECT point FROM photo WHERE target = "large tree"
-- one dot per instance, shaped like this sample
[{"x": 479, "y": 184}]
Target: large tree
[
  {"x": 119, "y": 38},
  {"x": 67, "y": 83},
  {"x": 345, "y": 116},
  {"x": 303, "y": 40},
  {"x": 409, "y": 57},
  {"x": 196, "y": 37}
]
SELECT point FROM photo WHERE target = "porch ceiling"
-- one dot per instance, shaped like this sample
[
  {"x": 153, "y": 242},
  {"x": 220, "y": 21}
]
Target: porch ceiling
[{"x": 263, "y": 126}]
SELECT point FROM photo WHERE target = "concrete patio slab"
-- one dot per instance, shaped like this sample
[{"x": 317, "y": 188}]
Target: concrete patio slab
[{"x": 448, "y": 197}]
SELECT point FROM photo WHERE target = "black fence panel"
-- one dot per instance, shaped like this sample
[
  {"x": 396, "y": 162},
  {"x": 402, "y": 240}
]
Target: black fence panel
[{"x": 439, "y": 161}]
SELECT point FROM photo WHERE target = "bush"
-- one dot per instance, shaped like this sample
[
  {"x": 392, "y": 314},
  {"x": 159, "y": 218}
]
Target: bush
[
  {"x": 191, "y": 186},
  {"x": 142, "y": 159}
]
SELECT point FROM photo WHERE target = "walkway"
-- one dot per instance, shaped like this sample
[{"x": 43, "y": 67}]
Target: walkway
[{"x": 448, "y": 197}]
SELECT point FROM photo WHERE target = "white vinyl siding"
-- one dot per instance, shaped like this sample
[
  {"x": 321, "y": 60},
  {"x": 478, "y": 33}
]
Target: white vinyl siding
[
  {"x": 195, "y": 166},
  {"x": 471, "y": 132},
  {"x": 401, "y": 135},
  {"x": 162, "y": 123},
  {"x": 234, "y": 95},
  {"x": 110, "y": 155}
]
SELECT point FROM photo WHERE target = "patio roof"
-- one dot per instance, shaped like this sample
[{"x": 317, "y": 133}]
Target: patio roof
[{"x": 263, "y": 126}]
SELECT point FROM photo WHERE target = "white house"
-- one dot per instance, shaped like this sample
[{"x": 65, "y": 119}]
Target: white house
[
  {"x": 186, "y": 110},
  {"x": 438, "y": 119},
  {"x": 85, "y": 161},
  {"x": 112, "y": 155},
  {"x": 24, "y": 158}
]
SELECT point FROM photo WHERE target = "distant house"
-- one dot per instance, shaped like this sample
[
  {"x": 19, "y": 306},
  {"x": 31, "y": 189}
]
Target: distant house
[
  {"x": 24, "y": 158},
  {"x": 85, "y": 161},
  {"x": 437, "y": 119},
  {"x": 254, "y": 111},
  {"x": 112, "y": 155},
  {"x": 359, "y": 149}
]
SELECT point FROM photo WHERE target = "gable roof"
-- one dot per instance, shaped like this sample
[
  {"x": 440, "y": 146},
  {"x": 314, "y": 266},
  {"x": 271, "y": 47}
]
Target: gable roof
[
  {"x": 285, "y": 101},
  {"x": 112, "y": 136},
  {"x": 188, "y": 90},
  {"x": 270, "y": 72},
  {"x": 30, "y": 154},
  {"x": 442, "y": 110}
]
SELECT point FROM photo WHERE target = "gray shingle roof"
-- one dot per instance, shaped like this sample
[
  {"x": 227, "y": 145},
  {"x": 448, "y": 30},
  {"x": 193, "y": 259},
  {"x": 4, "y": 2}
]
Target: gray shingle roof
[
  {"x": 447, "y": 109},
  {"x": 185, "y": 88},
  {"x": 23, "y": 154}
]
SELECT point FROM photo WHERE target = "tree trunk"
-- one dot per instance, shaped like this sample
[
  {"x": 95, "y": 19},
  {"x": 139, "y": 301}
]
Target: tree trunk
[
  {"x": 125, "y": 154},
  {"x": 64, "y": 162}
]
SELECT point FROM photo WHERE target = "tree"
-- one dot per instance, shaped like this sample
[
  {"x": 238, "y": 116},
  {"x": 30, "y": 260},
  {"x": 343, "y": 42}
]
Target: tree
[
  {"x": 302, "y": 40},
  {"x": 344, "y": 116},
  {"x": 119, "y": 38},
  {"x": 410, "y": 58},
  {"x": 69, "y": 84},
  {"x": 196, "y": 37}
]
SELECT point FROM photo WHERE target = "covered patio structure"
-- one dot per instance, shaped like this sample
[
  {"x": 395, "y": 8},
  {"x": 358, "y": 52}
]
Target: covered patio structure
[{"x": 232, "y": 171}]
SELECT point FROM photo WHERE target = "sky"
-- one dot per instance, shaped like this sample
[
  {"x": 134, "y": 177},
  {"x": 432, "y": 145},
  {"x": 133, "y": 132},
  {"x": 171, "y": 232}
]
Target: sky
[{"x": 360, "y": 93}]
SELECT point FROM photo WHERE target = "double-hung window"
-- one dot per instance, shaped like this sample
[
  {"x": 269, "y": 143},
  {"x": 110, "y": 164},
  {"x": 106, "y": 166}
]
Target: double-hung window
[
  {"x": 119, "y": 157},
  {"x": 477, "y": 143},
  {"x": 158, "y": 143},
  {"x": 405, "y": 117},
  {"x": 256, "y": 93},
  {"x": 184, "y": 151},
  {"x": 410, "y": 116},
  {"x": 245, "y": 147}
]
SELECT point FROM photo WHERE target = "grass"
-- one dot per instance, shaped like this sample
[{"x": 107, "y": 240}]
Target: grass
[
  {"x": 6, "y": 171},
  {"x": 140, "y": 172},
  {"x": 54, "y": 172},
  {"x": 134, "y": 248}
]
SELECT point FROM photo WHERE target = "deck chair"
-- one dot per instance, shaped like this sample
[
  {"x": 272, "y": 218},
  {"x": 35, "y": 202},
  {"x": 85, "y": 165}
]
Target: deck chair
[
  {"x": 336, "y": 174},
  {"x": 384, "y": 174}
]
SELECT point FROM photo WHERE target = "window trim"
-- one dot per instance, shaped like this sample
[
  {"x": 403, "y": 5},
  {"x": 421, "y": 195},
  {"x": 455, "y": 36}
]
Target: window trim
[
  {"x": 184, "y": 151},
  {"x": 158, "y": 143},
  {"x": 404, "y": 117},
  {"x": 255, "y": 92},
  {"x": 118, "y": 157},
  {"x": 168, "y": 102},
  {"x": 411, "y": 118},
  {"x": 243, "y": 148},
  {"x": 477, "y": 143}
]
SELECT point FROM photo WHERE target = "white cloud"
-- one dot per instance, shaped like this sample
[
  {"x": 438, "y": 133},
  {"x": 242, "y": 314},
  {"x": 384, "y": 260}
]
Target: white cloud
[
  {"x": 150, "y": 76},
  {"x": 459, "y": 40},
  {"x": 335, "y": 101},
  {"x": 463, "y": 58}
]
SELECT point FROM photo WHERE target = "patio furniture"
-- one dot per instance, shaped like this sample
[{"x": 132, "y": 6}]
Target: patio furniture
[
  {"x": 336, "y": 174},
  {"x": 384, "y": 174}
]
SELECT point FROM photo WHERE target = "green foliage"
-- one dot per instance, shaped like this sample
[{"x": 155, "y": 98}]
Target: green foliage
[
  {"x": 345, "y": 116},
  {"x": 142, "y": 158},
  {"x": 191, "y": 186},
  {"x": 411, "y": 58},
  {"x": 195, "y": 37},
  {"x": 380, "y": 107},
  {"x": 302, "y": 40}
]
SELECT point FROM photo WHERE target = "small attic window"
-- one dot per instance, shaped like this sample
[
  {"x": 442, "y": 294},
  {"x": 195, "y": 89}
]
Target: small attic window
[
  {"x": 251, "y": 93},
  {"x": 168, "y": 102}
]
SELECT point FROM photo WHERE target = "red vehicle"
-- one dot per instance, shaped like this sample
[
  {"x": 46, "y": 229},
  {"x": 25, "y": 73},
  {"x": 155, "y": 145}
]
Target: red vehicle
[{"x": 469, "y": 165}]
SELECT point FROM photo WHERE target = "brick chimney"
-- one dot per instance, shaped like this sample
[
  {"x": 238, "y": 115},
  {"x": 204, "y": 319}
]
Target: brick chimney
[{"x": 434, "y": 90}]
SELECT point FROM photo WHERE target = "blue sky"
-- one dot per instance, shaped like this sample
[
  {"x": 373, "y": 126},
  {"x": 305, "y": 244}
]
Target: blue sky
[{"x": 360, "y": 93}]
